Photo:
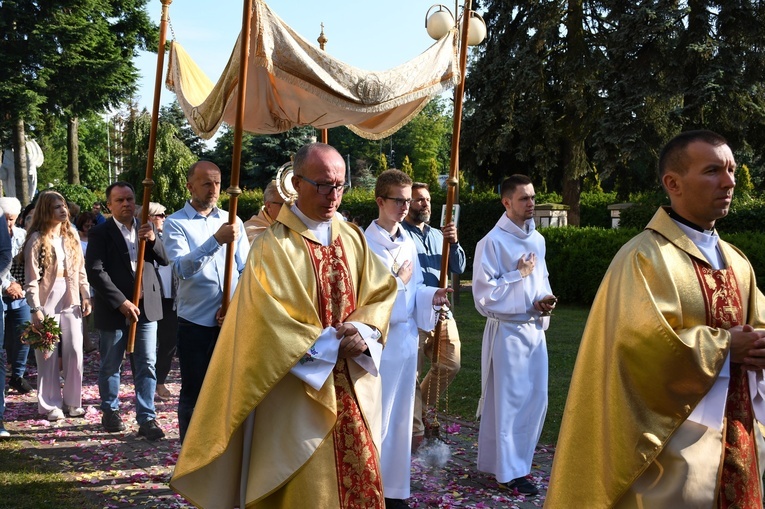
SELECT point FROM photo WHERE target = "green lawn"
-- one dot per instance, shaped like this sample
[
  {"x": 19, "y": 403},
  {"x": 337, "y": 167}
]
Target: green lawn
[
  {"x": 30, "y": 483},
  {"x": 563, "y": 338}
]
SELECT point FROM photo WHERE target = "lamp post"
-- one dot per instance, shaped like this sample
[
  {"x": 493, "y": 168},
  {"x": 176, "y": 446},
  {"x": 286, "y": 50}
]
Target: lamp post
[{"x": 472, "y": 31}]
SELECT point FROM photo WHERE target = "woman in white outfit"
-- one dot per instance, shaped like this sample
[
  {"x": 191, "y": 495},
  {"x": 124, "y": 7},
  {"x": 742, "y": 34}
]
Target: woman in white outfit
[{"x": 55, "y": 280}]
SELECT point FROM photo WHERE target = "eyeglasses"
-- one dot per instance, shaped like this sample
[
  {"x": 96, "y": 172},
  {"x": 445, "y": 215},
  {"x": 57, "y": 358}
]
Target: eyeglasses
[
  {"x": 325, "y": 189},
  {"x": 399, "y": 201},
  {"x": 162, "y": 216}
]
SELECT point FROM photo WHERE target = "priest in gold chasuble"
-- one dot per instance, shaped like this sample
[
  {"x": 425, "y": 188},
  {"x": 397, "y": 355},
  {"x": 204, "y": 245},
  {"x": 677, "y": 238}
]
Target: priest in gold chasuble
[
  {"x": 666, "y": 403},
  {"x": 289, "y": 413}
]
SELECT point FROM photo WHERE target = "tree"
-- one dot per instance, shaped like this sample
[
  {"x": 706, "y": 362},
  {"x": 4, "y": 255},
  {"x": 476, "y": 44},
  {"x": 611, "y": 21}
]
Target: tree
[
  {"x": 92, "y": 61},
  {"x": 24, "y": 77},
  {"x": 407, "y": 167},
  {"x": 171, "y": 160},
  {"x": 533, "y": 97},
  {"x": 639, "y": 95},
  {"x": 174, "y": 115},
  {"x": 560, "y": 88},
  {"x": 424, "y": 139},
  {"x": 431, "y": 177}
]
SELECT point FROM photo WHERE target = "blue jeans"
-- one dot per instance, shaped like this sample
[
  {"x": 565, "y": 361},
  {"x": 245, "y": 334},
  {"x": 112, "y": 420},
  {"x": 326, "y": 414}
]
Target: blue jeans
[
  {"x": 17, "y": 351},
  {"x": 112, "y": 348},
  {"x": 195, "y": 348},
  {"x": 2, "y": 366}
]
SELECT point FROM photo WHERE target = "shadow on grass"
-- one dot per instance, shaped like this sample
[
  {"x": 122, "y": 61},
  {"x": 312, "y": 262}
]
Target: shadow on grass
[{"x": 31, "y": 483}]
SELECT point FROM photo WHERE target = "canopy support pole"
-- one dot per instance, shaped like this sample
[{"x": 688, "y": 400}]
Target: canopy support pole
[
  {"x": 234, "y": 191},
  {"x": 148, "y": 183}
]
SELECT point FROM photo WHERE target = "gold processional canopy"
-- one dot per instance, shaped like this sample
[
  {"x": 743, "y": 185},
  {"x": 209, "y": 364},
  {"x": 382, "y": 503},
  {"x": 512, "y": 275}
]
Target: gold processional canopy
[{"x": 292, "y": 83}]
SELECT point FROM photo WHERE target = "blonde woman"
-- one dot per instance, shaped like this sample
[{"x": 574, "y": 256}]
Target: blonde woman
[{"x": 55, "y": 280}]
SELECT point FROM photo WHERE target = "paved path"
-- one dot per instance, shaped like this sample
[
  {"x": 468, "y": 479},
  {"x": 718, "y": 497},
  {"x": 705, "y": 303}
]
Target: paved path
[{"x": 121, "y": 470}]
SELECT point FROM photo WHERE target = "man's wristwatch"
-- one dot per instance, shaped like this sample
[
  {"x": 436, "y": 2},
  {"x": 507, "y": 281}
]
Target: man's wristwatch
[{"x": 35, "y": 309}]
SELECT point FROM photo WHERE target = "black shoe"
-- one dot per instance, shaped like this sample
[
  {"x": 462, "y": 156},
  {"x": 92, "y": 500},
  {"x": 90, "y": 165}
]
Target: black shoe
[
  {"x": 522, "y": 485},
  {"x": 112, "y": 422},
  {"x": 396, "y": 503},
  {"x": 20, "y": 385},
  {"x": 151, "y": 430}
]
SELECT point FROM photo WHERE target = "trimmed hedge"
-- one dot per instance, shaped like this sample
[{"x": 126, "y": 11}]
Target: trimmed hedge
[
  {"x": 577, "y": 258},
  {"x": 247, "y": 205},
  {"x": 746, "y": 214}
]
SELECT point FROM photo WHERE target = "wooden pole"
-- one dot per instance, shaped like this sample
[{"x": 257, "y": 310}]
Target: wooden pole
[
  {"x": 234, "y": 191},
  {"x": 148, "y": 183},
  {"x": 453, "y": 181}
]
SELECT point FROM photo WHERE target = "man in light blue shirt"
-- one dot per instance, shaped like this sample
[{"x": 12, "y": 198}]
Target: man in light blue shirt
[{"x": 195, "y": 237}]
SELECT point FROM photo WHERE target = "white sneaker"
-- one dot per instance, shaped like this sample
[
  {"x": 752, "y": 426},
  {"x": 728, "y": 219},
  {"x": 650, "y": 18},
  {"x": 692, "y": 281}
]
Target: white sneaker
[
  {"x": 74, "y": 411},
  {"x": 3, "y": 432},
  {"x": 55, "y": 414}
]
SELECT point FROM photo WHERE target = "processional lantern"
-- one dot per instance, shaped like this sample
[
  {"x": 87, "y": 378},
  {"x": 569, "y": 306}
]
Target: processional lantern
[
  {"x": 472, "y": 31},
  {"x": 441, "y": 21}
]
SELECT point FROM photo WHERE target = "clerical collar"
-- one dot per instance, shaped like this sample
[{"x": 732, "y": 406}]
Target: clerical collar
[
  {"x": 680, "y": 219},
  {"x": 320, "y": 229}
]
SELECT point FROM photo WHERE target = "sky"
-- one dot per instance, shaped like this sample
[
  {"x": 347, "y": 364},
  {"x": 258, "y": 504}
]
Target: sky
[{"x": 371, "y": 34}]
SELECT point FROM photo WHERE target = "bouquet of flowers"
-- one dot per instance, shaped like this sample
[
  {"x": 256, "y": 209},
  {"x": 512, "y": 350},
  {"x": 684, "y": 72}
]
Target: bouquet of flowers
[{"x": 44, "y": 338}]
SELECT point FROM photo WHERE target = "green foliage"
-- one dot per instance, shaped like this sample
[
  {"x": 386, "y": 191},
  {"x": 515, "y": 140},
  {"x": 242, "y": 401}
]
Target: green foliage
[
  {"x": 424, "y": 139},
  {"x": 80, "y": 195},
  {"x": 577, "y": 259},
  {"x": 594, "y": 209},
  {"x": 382, "y": 164},
  {"x": 360, "y": 204},
  {"x": 745, "y": 215},
  {"x": 93, "y": 155},
  {"x": 744, "y": 182},
  {"x": 171, "y": 161},
  {"x": 248, "y": 204},
  {"x": 751, "y": 244},
  {"x": 431, "y": 178},
  {"x": 407, "y": 167},
  {"x": 561, "y": 88},
  {"x": 173, "y": 114}
]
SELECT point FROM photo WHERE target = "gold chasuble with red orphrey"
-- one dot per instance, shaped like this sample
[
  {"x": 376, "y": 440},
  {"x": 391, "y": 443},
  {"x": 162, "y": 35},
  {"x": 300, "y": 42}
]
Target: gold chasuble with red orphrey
[
  {"x": 259, "y": 430},
  {"x": 655, "y": 341},
  {"x": 739, "y": 485},
  {"x": 358, "y": 467}
]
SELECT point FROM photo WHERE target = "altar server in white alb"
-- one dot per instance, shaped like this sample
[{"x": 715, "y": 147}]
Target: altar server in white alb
[
  {"x": 511, "y": 289},
  {"x": 414, "y": 307}
]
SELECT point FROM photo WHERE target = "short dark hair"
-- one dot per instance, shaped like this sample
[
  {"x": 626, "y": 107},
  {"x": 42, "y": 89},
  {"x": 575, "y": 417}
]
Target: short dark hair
[
  {"x": 390, "y": 178},
  {"x": 119, "y": 183},
  {"x": 512, "y": 182},
  {"x": 84, "y": 217},
  {"x": 673, "y": 156},
  {"x": 420, "y": 185}
]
